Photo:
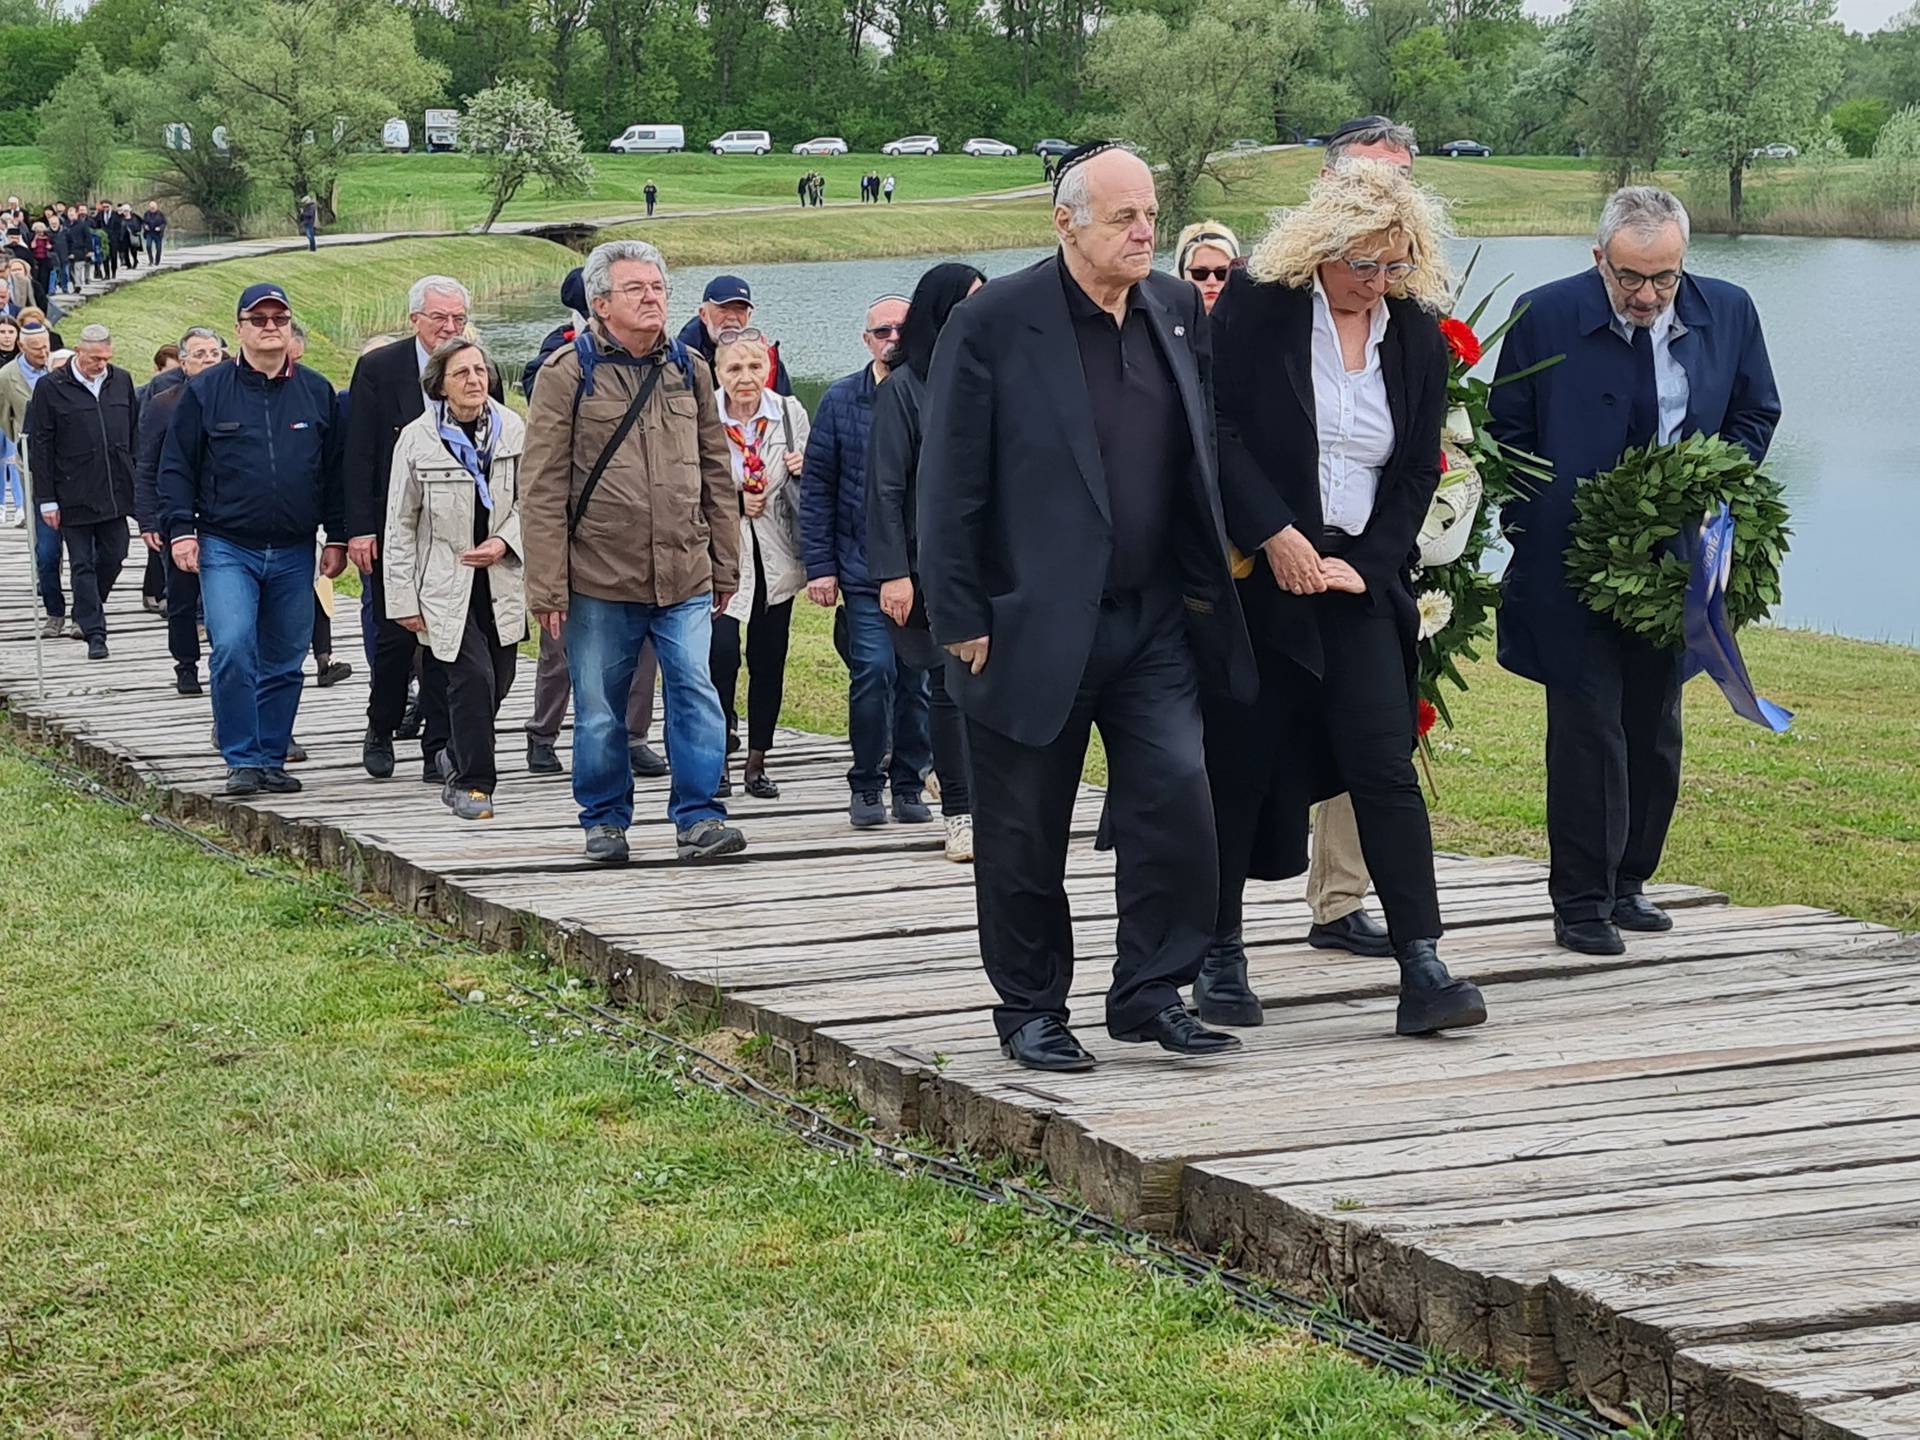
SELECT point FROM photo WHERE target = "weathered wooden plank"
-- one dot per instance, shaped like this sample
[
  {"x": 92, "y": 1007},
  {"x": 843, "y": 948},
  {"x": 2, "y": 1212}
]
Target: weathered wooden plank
[
  {"x": 1756, "y": 1390},
  {"x": 1897, "y": 1417}
]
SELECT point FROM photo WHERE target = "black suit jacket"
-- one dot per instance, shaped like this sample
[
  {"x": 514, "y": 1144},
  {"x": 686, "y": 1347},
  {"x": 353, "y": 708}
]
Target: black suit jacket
[
  {"x": 1270, "y": 453},
  {"x": 1014, "y": 520},
  {"x": 383, "y": 398}
]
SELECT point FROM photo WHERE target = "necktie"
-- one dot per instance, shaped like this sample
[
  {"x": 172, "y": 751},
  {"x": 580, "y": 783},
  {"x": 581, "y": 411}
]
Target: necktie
[{"x": 1643, "y": 409}]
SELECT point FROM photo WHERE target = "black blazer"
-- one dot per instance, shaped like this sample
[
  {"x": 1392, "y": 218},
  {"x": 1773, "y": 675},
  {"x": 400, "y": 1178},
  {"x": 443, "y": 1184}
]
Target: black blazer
[
  {"x": 1014, "y": 528},
  {"x": 383, "y": 398},
  {"x": 1270, "y": 453},
  {"x": 893, "y": 465}
]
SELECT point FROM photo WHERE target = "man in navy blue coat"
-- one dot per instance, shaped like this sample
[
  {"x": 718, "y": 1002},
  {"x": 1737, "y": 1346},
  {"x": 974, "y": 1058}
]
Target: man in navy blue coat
[{"x": 1650, "y": 352}]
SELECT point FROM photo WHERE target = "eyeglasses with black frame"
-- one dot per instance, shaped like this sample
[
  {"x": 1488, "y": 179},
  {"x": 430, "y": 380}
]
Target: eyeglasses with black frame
[
  {"x": 1632, "y": 281},
  {"x": 268, "y": 319}
]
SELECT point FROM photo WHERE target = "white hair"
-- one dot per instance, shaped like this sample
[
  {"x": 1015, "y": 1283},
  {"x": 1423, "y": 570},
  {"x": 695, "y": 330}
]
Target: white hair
[
  {"x": 1399, "y": 137},
  {"x": 596, "y": 276},
  {"x": 1644, "y": 209},
  {"x": 1077, "y": 195},
  {"x": 96, "y": 334},
  {"x": 432, "y": 284},
  {"x": 200, "y": 332}
]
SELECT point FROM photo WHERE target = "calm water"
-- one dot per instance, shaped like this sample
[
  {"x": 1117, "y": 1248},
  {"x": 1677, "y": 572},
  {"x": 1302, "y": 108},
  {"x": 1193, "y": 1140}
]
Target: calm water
[{"x": 1838, "y": 315}]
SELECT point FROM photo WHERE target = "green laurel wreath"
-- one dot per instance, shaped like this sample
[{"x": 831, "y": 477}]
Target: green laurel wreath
[{"x": 1619, "y": 562}]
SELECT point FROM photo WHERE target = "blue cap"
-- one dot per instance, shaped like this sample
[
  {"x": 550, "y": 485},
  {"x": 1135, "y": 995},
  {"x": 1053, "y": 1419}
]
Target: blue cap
[
  {"x": 255, "y": 294},
  {"x": 727, "y": 290}
]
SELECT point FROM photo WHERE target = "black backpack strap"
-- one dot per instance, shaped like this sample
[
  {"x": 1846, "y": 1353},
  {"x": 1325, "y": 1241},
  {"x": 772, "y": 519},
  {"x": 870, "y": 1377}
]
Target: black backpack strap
[{"x": 641, "y": 396}]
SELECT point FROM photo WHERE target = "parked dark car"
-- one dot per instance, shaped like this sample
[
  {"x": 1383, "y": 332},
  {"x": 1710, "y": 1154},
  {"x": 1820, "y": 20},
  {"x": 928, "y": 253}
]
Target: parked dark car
[
  {"x": 1454, "y": 149},
  {"x": 1055, "y": 148}
]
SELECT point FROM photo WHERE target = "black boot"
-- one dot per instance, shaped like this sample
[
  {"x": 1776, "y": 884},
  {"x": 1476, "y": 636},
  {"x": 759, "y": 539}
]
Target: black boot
[
  {"x": 1430, "y": 998},
  {"x": 1220, "y": 991}
]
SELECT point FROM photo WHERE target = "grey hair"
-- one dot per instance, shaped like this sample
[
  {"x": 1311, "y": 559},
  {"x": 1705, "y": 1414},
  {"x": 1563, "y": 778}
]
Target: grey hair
[
  {"x": 1076, "y": 195},
  {"x": 1400, "y": 137},
  {"x": 433, "y": 379},
  {"x": 1644, "y": 209},
  {"x": 200, "y": 332},
  {"x": 96, "y": 334},
  {"x": 596, "y": 276},
  {"x": 445, "y": 284},
  {"x": 297, "y": 330}
]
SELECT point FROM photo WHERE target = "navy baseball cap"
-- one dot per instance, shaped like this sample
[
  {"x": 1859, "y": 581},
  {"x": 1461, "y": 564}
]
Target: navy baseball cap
[
  {"x": 727, "y": 290},
  {"x": 256, "y": 294}
]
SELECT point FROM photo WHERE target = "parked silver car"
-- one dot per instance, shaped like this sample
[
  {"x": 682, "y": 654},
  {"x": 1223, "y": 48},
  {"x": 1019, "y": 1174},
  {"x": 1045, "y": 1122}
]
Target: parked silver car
[{"x": 912, "y": 145}]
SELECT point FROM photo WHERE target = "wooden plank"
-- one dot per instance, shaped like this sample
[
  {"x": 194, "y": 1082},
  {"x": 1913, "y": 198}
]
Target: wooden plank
[
  {"x": 1759, "y": 1389},
  {"x": 1897, "y": 1417}
]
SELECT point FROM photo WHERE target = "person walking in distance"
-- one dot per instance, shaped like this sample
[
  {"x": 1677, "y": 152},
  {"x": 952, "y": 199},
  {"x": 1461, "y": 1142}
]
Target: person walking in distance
[
  {"x": 80, "y": 429},
  {"x": 652, "y": 192},
  {"x": 200, "y": 351},
  {"x": 632, "y": 530},
  {"x": 310, "y": 221},
  {"x": 153, "y": 226},
  {"x": 249, "y": 471},
  {"x": 1074, "y": 562}
]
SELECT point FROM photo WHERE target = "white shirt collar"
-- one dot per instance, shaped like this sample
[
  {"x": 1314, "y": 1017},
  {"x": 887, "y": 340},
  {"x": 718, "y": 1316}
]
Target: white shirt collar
[
  {"x": 1664, "y": 324},
  {"x": 769, "y": 408},
  {"x": 420, "y": 355}
]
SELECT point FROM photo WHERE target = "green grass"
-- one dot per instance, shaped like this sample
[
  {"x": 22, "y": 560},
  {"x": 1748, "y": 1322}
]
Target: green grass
[
  {"x": 343, "y": 294},
  {"x": 850, "y": 234},
  {"x": 262, "y": 1178}
]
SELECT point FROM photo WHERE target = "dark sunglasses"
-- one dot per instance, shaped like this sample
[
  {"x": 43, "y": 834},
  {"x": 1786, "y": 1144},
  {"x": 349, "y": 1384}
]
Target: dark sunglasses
[
  {"x": 1209, "y": 272},
  {"x": 885, "y": 332},
  {"x": 271, "y": 320}
]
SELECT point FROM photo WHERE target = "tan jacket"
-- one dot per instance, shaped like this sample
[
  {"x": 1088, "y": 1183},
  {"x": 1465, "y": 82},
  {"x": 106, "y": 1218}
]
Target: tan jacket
[
  {"x": 430, "y": 514},
  {"x": 14, "y": 395},
  {"x": 664, "y": 523}
]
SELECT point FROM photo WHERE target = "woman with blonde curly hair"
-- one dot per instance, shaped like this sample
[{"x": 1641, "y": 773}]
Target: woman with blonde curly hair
[{"x": 1330, "y": 386}]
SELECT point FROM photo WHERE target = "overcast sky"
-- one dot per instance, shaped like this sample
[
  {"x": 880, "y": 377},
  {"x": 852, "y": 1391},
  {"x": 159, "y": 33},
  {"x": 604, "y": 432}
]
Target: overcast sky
[{"x": 1866, "y": 15}]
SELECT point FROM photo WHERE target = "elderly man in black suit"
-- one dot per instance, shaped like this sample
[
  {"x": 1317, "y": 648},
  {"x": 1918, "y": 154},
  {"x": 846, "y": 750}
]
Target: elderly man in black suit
[{"x": 1074, "y": 562}]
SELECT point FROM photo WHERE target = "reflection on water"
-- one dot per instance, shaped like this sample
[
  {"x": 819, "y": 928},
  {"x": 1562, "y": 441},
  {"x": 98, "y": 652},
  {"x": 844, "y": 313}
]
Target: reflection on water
[{"x": 1838, "y": 319}]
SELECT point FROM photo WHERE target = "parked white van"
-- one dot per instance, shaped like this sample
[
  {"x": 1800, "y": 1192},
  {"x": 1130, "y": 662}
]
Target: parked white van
[
  {"x": 650, "y": 140},
  {"x": 742, "y": 142}
]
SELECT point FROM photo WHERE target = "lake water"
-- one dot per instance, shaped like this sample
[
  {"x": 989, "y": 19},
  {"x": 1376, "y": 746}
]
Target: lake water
[{"x": 1838, "y": 317}]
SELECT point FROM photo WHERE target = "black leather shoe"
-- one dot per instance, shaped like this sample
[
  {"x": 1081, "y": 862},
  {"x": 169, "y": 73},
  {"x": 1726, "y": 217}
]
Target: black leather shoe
[
  {"x": 1357, "y": 934},
  {"x": 410, "y": 718},
  {"x": 1174, "y": 1029},
  {"x": 279, "y": 782},
  {"x": 437, "y": 768},
  {"x": 1636, "y": 912},
  {"x": 186, "y": 680},
  {"x": 1588, "y": 937},
  {"x": 645, "y": 761},
  {"x": 376, "y": 754},
  {"x": 1045, "y": 1043},
  {"x": 1220, "y": 991},
  {"x": 540, "y": 758},
  {"x": 243, "y": 780},
  {"x": 1430, "y": 998}
]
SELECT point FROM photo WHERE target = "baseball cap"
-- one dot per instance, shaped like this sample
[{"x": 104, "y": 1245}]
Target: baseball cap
[
  {"x": 727, "y": 290},
  {"x": 258, "y": 294}
]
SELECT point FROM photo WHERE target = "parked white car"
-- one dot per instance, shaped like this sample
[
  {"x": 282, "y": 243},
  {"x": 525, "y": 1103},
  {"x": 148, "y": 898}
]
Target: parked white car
[
  {"x": 981, "y": 145},
  {"x": 742, "y": 142},
  {"x": 912, "y": 145},
  {"x": 649, "y": 140},
  {"x": 1779, "y": 150},
  {"x": 821, "y": 145}
]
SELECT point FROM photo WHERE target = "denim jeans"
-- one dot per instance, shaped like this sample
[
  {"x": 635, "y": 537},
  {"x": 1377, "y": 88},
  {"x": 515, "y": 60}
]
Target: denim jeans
[
  {"x": 259, "y": 606},
  {"x": 603, "y": 649},
  {"x": 886, "y": 705},
  {"x": 154, "y": 243},
  {"x": 46, "y": 565}
]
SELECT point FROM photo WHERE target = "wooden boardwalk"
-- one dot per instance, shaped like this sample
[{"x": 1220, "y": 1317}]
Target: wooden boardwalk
[{"x": 1689, "y": 1177}]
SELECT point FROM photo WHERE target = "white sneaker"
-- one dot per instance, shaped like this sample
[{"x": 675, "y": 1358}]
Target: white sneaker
[{"x": 960, "y": 839}]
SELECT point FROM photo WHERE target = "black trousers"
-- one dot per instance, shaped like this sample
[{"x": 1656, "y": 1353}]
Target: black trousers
[
  {"x": 396, "y": 652},
  {"x": 769, "y": 628},
  {"x": 1139, "y": 688},
  {"x": 95, "y": 554},
  {"x": 1613, "y": 771},
  {"x": 153, "y": 583},
  {"x": 915, "y": 646},
  {"x": 475, "y": 685},
  {"x": 183, "y": 615},
  {"x": 322, "y": 630}
]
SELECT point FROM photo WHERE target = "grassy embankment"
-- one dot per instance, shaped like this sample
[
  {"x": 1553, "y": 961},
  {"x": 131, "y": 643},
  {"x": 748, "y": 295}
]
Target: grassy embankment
[{"x": 263, "y": 1178}]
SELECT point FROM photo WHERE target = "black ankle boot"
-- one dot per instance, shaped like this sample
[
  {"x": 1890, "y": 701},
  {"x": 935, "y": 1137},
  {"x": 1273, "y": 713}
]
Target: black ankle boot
[
  {"x": 1430, "y": 998},
  {"x": 1220, "y": 991}
]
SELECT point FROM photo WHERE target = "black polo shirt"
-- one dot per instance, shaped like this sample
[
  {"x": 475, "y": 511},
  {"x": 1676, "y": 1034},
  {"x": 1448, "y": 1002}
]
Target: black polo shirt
[{"x": 1145, "y": 445}]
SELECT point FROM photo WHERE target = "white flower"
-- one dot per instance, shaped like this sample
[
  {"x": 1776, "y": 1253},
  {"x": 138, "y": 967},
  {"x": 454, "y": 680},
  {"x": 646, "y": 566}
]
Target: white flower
[{"x": 1436, "y": 611}]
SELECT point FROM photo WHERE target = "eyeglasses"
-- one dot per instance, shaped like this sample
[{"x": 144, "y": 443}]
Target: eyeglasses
[
  {"x": 456, "y": 318},
  {"x": 268, "y": 320},
  {"x": 1395, "y": 270},
  {"x": 640, "y": 290},
  {"x": 1209, "y": 272},
  {"x": 1632, "y": 281},
  {"x": 885, "y": 332},
  {"x": 743, "y": 334}
]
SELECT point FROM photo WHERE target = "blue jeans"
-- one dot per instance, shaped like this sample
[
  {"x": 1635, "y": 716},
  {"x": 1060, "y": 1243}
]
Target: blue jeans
[
  {"x": 259, "y": 606},
  {"x": 312, "y": 243},
  {"x": 154, "y": 243},
  {"x": 887, "y": 705},
  {"x": 603, "y": 649},
  {"x": 46, "y": 566}
]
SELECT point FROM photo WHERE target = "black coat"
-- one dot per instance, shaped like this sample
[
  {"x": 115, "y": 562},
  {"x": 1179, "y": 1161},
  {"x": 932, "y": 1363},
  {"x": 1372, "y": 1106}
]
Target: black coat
[
  {"x": 157, "y": 404},
  {"x": 893, "y": 463},
  {"x": 1013, "y": 486},
  {"x": 81, "y": 449},
  {"x": 383, "y": 398}
]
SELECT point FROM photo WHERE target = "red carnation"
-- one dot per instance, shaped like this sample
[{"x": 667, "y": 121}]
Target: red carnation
[
  {"x": 1460, "y": 336},
  {"x": 1426, "y": 717}
]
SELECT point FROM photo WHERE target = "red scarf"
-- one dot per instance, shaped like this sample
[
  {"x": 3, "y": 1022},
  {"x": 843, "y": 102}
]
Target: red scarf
[{"x": 753, "y": 468}]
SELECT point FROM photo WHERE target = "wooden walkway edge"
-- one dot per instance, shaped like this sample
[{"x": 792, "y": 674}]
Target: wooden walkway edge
[{"x": 1686, "y": 1178}]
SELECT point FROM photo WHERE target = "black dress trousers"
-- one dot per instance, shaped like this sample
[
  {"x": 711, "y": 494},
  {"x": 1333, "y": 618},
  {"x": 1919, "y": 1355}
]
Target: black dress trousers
[
  {"x": 396, "y": 651},
  {"x": 1139, "y": 687},
  {"x": 95, "y": 553},
  {"x": 474, "y": 685}
]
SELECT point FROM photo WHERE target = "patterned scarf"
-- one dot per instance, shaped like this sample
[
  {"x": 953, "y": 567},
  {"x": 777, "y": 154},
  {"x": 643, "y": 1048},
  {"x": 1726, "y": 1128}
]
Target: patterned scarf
[
  {"x": 753, "y": 468},
  {"x": 462, "y": 448}
]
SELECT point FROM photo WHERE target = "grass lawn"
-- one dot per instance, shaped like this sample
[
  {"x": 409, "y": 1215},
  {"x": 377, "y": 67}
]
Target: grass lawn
[
  {"x": 847, "y": 234},
  {"x": 262, "y": 1178}
]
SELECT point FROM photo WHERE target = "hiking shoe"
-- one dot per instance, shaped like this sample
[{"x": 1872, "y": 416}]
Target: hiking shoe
[
  {"x": 960, "y": 839},
  {"x": 909, "y": 808},
  {"x": 296, "y": 752},
  {"x": 540, "y": 758},
  {"x": 186, "y": 681},
  {"x": 70, "y": 630},
  {"x": 244, "y": 780},
  {"x": 376, "y": 754},
  {"x": 51, "y": 627},
  {"x": 607, "y": 844},
  {"x": 97, "y": 648},
  {"x": 709, "y": 839},
  {"x": 866, "y": 811},
  {"x": 646, "y": 761},
  {"x": 153, "y": 605},
  {"x": 331, "y": 673},
  {"x": 471, "y": 804},
  {"x": 278, "y": 782}
]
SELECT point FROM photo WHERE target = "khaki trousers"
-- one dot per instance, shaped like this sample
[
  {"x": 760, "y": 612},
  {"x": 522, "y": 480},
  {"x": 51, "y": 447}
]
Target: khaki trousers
[{"x": 1337, "y": 873}]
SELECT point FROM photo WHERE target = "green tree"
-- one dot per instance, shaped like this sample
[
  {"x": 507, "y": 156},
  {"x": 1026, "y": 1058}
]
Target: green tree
[
  {"x": 33, "y": 59},
  {"x": 1182, "y": 93},
  {"x": 1858, "y": 122},
  {"x": 1621, "y": 106},
  {"x": 77, "y": 130},
  {"x": 174, "y": 121},
  {"x": 1429, "y": 86},
  {"x": 518, "y": 136},
  {"x": 1742, "y": 74},
  {"x": 1896, "y": 159}
]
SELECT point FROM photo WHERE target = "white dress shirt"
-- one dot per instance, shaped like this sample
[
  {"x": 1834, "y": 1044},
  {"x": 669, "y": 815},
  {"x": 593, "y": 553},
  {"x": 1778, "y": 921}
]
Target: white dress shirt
[
  {"x": 1351, "y": 415},
  {"x": 1669, "y": 375},
  {"x": 92, "y": 382},
  {"x": 421, "y": 354}
]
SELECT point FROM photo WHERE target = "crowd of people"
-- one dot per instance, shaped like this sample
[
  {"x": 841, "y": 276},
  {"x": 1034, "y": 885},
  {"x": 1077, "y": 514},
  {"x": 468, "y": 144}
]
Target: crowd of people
[
  {"x": 68, "y": 244},
  {"x": 1178, "y": 508}
]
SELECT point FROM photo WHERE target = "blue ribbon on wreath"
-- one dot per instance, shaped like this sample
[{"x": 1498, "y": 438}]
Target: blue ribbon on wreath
[{"x": 1707, "y": 638}]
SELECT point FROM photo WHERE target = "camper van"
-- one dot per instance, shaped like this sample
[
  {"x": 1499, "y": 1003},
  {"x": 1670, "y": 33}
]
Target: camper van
[
  {"x": 650, "y": 140},
  {"x": 443, "y": 130},
  {"x": 396, "y": 136}
]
